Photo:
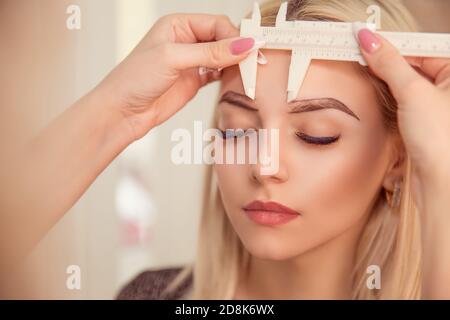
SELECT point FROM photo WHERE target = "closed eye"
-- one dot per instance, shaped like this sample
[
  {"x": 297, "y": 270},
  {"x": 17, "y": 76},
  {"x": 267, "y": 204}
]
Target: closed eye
[
  {"x": 317, "y": 140},
  {"x": 235, "y": 133}
]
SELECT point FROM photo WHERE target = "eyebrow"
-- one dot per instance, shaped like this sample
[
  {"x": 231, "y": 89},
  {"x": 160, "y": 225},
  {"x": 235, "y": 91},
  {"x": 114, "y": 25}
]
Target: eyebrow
[
  {"x": 296, "y": 106},
  {"x": 308, "y": 105},
  {"x": 238, "y": 100}
]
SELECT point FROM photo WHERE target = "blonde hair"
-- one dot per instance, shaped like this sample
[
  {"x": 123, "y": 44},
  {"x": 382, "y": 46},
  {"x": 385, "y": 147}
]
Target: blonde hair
[{"x": 391, "y": 237}]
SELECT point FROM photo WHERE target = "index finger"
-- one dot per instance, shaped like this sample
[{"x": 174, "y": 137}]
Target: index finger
[
  {"x": 190, "y": 28},
  {"x": 208, "y": 27}
]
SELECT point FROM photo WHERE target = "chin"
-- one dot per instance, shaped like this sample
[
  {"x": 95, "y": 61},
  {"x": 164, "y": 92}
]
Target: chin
[{"x": 269, "y": 249}]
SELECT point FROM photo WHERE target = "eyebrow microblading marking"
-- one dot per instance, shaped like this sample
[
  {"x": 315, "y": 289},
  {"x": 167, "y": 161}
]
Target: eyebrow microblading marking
[
  {"x": 296, "y": 106},
  {"x": 308, "y": 105}
]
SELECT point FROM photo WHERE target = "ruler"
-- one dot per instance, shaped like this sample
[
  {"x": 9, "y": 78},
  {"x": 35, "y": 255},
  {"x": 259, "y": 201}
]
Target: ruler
[{"x": 324, "y": 40}]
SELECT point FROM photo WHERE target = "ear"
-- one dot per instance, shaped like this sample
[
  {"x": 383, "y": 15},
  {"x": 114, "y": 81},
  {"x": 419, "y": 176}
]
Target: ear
[{"x": 397, "y": 164}]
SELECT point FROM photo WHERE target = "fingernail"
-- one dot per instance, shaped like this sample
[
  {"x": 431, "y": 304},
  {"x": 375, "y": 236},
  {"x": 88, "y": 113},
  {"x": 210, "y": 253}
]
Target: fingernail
[
  {"x": 261, "y": 58},
  {"x": 258, "y": 45},
  {"x": 204, "y": 70},
  {"x": 241, "y": 45},
  {"x": 368, "y": 40}
]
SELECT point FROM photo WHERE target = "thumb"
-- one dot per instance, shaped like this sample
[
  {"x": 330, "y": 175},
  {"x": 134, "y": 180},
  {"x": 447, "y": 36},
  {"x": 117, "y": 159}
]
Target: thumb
[
  {"x": 217, "y": 54},
  {"x": 386, "y": 62}
]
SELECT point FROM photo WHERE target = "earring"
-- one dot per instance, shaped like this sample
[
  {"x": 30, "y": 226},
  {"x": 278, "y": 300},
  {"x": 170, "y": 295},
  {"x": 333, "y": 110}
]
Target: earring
[{"x": 393, "y": 199}]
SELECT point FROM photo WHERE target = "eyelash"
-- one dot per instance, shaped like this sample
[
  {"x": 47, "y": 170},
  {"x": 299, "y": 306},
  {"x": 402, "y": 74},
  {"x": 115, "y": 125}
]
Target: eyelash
[
  {"x": 308, "y": 139},
  {"x": 317, "y": 140},
  {"x": 234, "y": 135}
]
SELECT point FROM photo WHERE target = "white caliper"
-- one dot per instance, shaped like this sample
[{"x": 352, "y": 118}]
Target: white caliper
[{"x": 327, "y": 41}]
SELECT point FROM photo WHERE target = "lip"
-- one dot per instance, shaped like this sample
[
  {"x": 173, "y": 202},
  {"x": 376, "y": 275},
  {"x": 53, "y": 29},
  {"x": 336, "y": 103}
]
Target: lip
[{"x": 269, "y": 213}]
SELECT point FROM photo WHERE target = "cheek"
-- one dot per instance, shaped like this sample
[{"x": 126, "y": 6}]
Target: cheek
[
  {"x": 232, "y": 180},
  {"x": 342, "y": 182}
]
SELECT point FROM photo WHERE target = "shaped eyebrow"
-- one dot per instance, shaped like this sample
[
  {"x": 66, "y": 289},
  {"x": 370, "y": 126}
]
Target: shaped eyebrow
[
  {"x": 238, "y": 100},
  {"x": 308, "y": 105},
  {"x": 295, "y": 106}
]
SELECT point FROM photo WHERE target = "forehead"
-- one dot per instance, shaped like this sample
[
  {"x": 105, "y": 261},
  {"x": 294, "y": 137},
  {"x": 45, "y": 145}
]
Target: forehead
[{"x": 343, "y": 81}]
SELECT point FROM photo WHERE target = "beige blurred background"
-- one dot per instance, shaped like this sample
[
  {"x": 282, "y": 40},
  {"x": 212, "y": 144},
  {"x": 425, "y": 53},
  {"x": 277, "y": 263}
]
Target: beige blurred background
[{"x": 142, "y": 212}]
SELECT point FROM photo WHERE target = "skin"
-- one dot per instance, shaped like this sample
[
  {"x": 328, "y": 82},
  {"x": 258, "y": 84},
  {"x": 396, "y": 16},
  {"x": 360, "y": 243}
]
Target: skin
[
  {"x": 161, "y": 75},
  {"x": 333, "y": 186}
]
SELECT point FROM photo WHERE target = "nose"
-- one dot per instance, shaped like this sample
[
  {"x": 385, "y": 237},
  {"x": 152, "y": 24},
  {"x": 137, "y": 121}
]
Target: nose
[
  {"x": 277, "y": 177},
  {"x": 271, "y": 165}
]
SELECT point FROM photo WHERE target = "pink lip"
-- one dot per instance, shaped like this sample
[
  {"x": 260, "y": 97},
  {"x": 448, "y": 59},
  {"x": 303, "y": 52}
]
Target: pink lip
[{"x": 269, "y": 213}]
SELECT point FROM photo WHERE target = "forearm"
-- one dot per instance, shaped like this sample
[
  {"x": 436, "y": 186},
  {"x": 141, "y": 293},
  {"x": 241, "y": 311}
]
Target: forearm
[{"x": 47, "y": 176}]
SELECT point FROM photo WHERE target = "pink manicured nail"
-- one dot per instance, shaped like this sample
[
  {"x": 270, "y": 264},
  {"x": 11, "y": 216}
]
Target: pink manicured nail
[
  {"x": 368, "y": 40},
  {"x": 241, "y": 45}
]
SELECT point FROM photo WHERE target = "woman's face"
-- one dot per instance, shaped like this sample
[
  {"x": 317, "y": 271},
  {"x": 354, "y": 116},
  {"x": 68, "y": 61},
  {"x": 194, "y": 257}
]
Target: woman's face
[{"x": 333, "y": 186}]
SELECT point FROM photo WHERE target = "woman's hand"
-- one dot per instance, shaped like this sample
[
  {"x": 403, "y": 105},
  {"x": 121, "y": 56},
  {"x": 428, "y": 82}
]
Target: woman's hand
[
  {"x": 157, "y": 79},
  {"x": 162, "y": 73},
  {"x": 423, "y": 98}
]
